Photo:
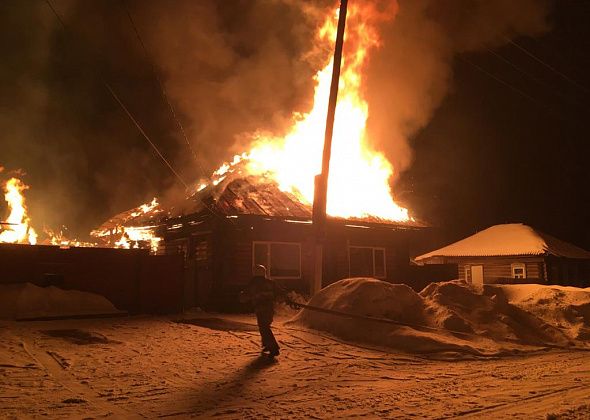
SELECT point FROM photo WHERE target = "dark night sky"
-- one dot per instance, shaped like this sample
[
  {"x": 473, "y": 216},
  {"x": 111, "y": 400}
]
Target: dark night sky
[{"x": 491, "y": 153}]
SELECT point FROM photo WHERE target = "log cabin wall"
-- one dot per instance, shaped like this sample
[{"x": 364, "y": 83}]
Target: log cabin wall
[
  {"x": 225, "y": 247},
  {"x": 341, "y": 237},
  {"x": 499, "y": 269},
  {"x": 238, "y": 250}
]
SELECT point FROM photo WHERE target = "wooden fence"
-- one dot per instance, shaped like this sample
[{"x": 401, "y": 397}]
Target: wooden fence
[{"x": 131, "y": 279}]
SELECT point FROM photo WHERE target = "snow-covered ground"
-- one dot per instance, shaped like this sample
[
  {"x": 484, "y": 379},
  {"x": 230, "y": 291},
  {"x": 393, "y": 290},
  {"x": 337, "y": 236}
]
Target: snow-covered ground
[{"x": 209, "y": 366}]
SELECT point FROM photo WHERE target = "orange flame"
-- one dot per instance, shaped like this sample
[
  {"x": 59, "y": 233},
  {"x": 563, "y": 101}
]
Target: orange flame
[
  {"x": 17, "y": 228},
  {"x": 59, "y": 238},
  {"x": 359, "y": 181},
  {"x": 120, "y": 236}
]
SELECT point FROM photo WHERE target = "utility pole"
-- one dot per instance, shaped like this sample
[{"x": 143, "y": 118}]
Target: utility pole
[{"x": 321, "y": 180}]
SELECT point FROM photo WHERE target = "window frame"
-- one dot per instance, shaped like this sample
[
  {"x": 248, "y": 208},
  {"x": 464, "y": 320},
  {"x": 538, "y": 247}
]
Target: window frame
[
  {"x": 373, "y": 249},
  {"x": 268, "y": 258},
  {"x": 514, "y": 266}
]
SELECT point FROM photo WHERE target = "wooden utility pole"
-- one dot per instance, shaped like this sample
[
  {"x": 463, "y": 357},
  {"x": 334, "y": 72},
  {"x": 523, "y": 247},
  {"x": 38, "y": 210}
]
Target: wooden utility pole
[{"x": 321, "y": 180}]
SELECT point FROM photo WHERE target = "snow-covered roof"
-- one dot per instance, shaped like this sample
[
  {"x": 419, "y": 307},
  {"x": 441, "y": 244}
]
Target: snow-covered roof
[{"x": 508, "y": 239}]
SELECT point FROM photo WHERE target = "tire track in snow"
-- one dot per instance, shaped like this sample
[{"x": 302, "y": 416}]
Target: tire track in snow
[
  {"x": 523, "y": 405},
  {"x": 46, "y": 361}
]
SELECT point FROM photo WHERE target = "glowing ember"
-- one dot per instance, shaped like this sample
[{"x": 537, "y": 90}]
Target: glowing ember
[
  {"x": 116, "y": 234},
  {"x": 17, "y": 228},
  {"x": 359, "y": 176},
  {"x": 133, "y": 236},
  {"x": 60, "y": 238}
]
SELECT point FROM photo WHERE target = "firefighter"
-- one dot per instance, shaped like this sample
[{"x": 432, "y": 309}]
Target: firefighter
[{"x": 261, "y": 292}]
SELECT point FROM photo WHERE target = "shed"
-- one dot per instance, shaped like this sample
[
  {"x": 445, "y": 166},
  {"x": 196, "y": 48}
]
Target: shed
[
  {"x": 514, "y": 253},
  {"x": 223, "y": 230}
]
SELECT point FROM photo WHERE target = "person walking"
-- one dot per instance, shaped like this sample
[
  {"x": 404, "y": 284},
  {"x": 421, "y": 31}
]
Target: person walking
[{"x": 261, "y": 292}]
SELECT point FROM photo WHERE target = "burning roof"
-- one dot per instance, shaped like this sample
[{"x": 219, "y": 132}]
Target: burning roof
[
  {"x": 275, "y": 178},
  {"x": 252, "y": 195},
  {"x": 249, "y": 196},
  {"x": 235, "y": 194}
]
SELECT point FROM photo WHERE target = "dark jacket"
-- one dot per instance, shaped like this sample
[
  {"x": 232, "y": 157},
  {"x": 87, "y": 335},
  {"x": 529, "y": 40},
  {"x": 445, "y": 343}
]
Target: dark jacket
[{"x": 261, "y": 293}]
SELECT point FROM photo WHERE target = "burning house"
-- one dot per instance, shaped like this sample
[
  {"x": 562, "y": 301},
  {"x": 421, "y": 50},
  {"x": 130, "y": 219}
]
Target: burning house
[
  {"x": 257, "y": 209},
  {"x": 225, "y": 229}
]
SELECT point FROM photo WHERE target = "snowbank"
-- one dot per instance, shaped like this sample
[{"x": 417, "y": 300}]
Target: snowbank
[
  {"x": 447, "y": 316},
  {"x": 566, "y": 308},
  {"x": 23, "y": 301}
]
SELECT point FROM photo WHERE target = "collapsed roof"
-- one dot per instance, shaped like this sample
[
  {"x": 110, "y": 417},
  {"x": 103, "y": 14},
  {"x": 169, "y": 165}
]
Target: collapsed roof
[
  {"x": 237, "y": 195},
  {"x": 515, "y": 239},
  {"x": 261, "y": 196},
  {"x": 245, "y": 195}
]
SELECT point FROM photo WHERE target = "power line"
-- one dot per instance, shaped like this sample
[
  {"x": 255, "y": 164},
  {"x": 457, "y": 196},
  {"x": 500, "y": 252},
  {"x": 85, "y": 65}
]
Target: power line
[
  {"x": 139, "y": 127},
  {"x": 499, "y": 80},
  {"x": 557, "y": 91},
  {"x": 515, "y": 89},
  {"x": 161, "y": 85},
  {"x": 125, "y": 109},
  {"x": 518, "y": 68},
  {"x": 549, "y": 66},
  {"x": 144, "y": 133}
]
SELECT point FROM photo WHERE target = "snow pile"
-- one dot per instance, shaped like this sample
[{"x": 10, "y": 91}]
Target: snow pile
[
  {"x": 24, "y": 301},
  {"x": 447, "y": 316},
  {"x": 375, "y": 298},
  {"x": 454, "y": 306},
  {"x": 566, "y": 308}
]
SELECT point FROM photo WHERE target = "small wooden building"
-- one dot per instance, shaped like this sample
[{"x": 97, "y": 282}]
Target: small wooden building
[
  {"x": 225, "y": 230},
  {"x": 514, "y": 253}
]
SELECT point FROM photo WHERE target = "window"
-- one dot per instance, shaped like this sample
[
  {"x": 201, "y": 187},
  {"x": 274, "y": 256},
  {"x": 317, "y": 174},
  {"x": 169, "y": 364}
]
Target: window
[
  {"x": 518, "y": 271},
  {"x": 201, "y": 251},
  {"x": 367, "y": 262},
  {"x": 282, "y": 258}
]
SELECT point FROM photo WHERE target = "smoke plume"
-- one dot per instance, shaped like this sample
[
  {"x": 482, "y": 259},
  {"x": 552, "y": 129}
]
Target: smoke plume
[
  {"x": 409, "y": 76},
  {"x": 229, "y": 68}
]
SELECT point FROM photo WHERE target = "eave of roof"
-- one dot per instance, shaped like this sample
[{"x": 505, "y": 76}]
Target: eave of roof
[{"x": 505, "y": 241}]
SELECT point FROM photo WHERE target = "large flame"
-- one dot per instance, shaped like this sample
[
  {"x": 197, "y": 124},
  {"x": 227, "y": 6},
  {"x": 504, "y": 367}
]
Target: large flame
[
  {"x": 16, "y": 228},
  {"x": 359, "y": 181},
  {"x": 360, "y": 176}
]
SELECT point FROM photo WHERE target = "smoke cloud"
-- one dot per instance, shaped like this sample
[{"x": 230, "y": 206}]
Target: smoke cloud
[
  {"x": 229, "y": 68},
  {"x": 409, "y": 76}
]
